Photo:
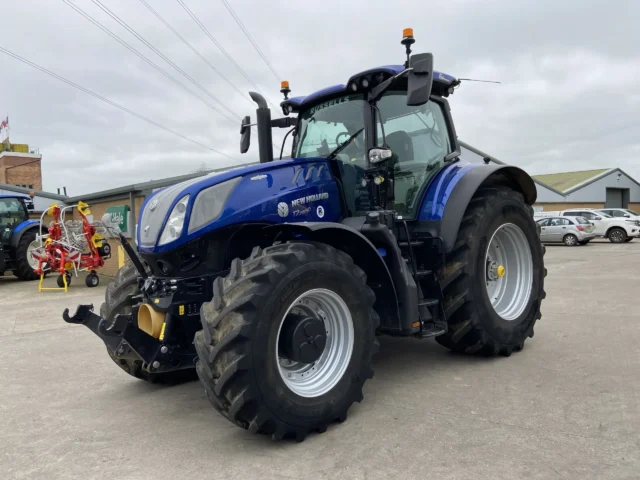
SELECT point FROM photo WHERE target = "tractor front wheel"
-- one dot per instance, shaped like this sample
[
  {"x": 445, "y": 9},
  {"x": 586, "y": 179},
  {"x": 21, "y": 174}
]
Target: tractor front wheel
[
  {"x": 287, "y": 340},
  {"x": 493, "y": 282},
  {"x": 24, "y": 264}
]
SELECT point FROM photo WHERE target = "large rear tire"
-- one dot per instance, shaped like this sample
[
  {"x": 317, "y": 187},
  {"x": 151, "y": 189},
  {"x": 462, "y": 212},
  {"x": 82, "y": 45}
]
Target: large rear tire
[
  {"x": 495, "y": 218},
  {"x": 242, "y": 360},
  {"x": 24, "y": 271},
  {"x": 119, "y": 299}
]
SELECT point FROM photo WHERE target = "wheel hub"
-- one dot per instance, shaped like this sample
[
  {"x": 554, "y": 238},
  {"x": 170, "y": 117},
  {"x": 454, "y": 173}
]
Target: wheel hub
[
  {"x": 495, "y": 271},
  {"x": 315, "y": 341},
  {"x": 303, "y": 338}
]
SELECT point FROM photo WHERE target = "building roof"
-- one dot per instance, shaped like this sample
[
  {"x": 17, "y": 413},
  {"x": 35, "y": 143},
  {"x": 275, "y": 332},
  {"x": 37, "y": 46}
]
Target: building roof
[{"x": 567, "y": 181}]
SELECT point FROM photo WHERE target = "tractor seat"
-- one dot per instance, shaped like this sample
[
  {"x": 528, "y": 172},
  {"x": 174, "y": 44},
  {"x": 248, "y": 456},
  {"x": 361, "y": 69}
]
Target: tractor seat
[{"x": 401, "y": 145}]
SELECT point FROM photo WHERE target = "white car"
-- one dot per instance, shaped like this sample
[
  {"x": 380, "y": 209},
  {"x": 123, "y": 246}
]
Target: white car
[
  {"x": 621, "y": 212},
  {"x": 617, "y": 230}
]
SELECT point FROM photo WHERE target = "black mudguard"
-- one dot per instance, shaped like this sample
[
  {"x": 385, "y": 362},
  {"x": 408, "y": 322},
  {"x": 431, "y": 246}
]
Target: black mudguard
[
  {"x": 469, "y": 184},
  {"x": 365, "y": 255}
]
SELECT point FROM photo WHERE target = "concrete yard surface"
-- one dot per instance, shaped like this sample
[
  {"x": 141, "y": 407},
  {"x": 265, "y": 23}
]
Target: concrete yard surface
[{"x": 566, "y": 407}]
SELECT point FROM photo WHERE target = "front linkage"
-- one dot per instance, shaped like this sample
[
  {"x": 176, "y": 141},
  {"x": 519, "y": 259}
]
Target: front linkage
[
  {"x": 169, "y": 349},
  {"x": 128, "y": 342}
]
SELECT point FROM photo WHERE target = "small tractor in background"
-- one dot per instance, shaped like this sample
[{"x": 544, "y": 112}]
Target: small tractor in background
[
  {"x": 17, "y": 234},
  {"x": 274, "y": 280}
]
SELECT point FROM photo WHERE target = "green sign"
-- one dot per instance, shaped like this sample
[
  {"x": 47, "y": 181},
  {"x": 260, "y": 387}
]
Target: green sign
[{"x": 120, "y": 216}]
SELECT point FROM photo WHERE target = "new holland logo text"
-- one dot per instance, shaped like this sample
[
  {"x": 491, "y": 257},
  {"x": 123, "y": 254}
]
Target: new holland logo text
[{"x": 309, "y": 199}]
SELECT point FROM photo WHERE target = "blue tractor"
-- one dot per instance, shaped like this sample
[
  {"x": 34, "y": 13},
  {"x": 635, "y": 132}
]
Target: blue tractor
[
  {"x": 274, "y": 280},
  {"x": 17, "y": 236}
]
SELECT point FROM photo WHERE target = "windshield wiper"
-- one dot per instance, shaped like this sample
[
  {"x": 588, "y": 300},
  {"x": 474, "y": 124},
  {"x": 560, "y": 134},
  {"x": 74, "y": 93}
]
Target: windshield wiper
[{"x": 344, "y": 144}]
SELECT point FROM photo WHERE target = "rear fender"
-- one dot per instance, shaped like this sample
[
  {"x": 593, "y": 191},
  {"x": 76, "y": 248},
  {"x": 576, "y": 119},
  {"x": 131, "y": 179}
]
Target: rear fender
[
  {"x": 453, "y": 188},
  {"x": 23, "y": 228},
  {"x": 364, "y": 254}
]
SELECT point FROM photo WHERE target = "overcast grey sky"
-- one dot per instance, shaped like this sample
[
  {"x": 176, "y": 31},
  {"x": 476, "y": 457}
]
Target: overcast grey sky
[{"x": 570, "y": 97}]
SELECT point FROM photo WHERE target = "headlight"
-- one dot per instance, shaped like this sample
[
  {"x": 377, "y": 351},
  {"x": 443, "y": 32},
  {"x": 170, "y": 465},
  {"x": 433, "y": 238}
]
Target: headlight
[
  {"x": 209, "y": 204},
  {"x": 175, "y": 223}
]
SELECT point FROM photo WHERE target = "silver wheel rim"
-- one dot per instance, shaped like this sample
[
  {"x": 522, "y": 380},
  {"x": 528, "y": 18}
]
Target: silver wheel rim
[
  {"x": 509, "y": 288},
  {"x": 616, "y": 236},
  {"x": 570, "y": 240},
  {"x": 315, "y": 379},
  {"x": 33, "y": 246}
]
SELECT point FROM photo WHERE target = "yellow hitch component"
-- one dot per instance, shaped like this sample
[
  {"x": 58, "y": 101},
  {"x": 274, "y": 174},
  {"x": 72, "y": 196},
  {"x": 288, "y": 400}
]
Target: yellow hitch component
[
  {"x": 501, "y": 271},
  {"x": 151, "y": 321}
]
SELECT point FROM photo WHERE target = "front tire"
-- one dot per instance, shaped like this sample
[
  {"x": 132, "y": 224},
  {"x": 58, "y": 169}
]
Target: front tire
[
  {"x": 477, "y": 326},
  {"x": 240, "y": 351},
  {"x": 119, "y": 299},
  {"x": 617, "y": 235},
  {"x": 24, "y": 271}
]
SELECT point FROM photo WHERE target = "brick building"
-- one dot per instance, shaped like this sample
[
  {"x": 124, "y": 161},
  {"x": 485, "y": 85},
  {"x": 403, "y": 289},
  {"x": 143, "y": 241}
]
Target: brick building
[{"x": 20, "y": 166}]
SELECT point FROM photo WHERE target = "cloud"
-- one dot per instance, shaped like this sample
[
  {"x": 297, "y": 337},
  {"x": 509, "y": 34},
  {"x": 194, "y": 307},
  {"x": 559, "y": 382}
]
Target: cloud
[{"x": 568, "y": 97}]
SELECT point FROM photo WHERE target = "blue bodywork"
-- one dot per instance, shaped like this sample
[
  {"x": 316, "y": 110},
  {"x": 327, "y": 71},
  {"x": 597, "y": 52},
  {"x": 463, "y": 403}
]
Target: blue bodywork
[
  {"x": 440, "y": 190},
  {"x": 26, "y": 224},
  {"x": 305, "y": 186},
  {"x": 285, "y": 191}
]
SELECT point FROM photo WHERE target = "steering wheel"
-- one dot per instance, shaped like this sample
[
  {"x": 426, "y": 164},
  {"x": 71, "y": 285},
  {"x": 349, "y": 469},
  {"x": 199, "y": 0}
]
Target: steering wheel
[{"x": 340, "y": 135}]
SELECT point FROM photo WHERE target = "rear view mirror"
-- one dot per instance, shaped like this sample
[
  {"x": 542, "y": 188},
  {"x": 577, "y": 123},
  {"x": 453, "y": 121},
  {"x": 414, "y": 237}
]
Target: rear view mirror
[
  {"x": 245, "y": 134},
  {"x": 626, "y": 215},
  {"x": 420, "y": 79},
  {"x": 598, "y": 218}
]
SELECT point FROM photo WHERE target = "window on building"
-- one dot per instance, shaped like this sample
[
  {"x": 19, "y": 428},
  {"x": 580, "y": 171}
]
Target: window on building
[{"x": 30, "y": 186}]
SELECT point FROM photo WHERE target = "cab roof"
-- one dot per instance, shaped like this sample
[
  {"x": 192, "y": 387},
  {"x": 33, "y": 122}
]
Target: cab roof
[
  {"x": 442, "y": 85},
  {"x": 15, "y": 195}
]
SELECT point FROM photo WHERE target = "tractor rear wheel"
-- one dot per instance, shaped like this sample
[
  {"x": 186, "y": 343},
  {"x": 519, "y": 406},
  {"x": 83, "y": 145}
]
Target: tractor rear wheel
[
  {"x": 493, "y": 282},
  {"x": 287, "y": 340},
  {"x": 24, "y": 269},
  {"x": 119, "y": 299}
]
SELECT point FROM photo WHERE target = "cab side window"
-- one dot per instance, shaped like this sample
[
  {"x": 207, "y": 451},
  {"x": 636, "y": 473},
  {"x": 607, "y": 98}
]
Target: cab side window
[{"x": 419, "y": 139}]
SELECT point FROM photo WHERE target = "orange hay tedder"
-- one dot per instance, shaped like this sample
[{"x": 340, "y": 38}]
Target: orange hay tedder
[{"x": 69, "y": 247}]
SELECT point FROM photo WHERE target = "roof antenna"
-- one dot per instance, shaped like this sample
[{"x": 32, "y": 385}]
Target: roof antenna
[
  {"x": 476, "y": 80},
  {"x": 407, "y": 41}
]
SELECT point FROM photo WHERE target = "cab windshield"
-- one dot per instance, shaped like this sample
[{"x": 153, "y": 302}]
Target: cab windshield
[
  {"x": 12, "y": 212},
  {"x": 323, "y": 127}
]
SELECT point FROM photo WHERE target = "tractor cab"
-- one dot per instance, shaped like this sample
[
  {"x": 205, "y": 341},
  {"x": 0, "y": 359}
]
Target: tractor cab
[
  {"x": 14, "y": 211},
  {"x": 388, "y": 131}
]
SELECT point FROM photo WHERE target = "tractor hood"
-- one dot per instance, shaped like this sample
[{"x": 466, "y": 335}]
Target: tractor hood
[{"x": 177, "y": 214}]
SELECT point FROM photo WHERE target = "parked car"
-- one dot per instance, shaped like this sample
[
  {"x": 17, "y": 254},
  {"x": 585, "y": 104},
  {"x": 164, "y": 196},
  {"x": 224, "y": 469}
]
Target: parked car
[
  {"x": 568, "y": 230},
  {"x": 621, "y": 212},
  {"x": 617, "y": 230}
]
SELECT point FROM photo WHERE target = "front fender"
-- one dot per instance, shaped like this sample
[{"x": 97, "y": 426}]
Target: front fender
[
  {"x": 364, "y": 254},
  {"x": 451, "y": 191}
]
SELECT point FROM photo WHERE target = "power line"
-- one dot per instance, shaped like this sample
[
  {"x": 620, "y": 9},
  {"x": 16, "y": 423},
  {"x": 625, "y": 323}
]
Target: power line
[
  {"x": 250, "y": 38},
  {"x": 145, "y": 59},
  {"x": 193, "y": 49},
  {"x": 114, "y": 104},
  {"x": 226, "y": 54},
  {"x": 159, "y": 53}
]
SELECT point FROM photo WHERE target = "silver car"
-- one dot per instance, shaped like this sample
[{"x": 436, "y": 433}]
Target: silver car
[{"x": 568, "y": 230}]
